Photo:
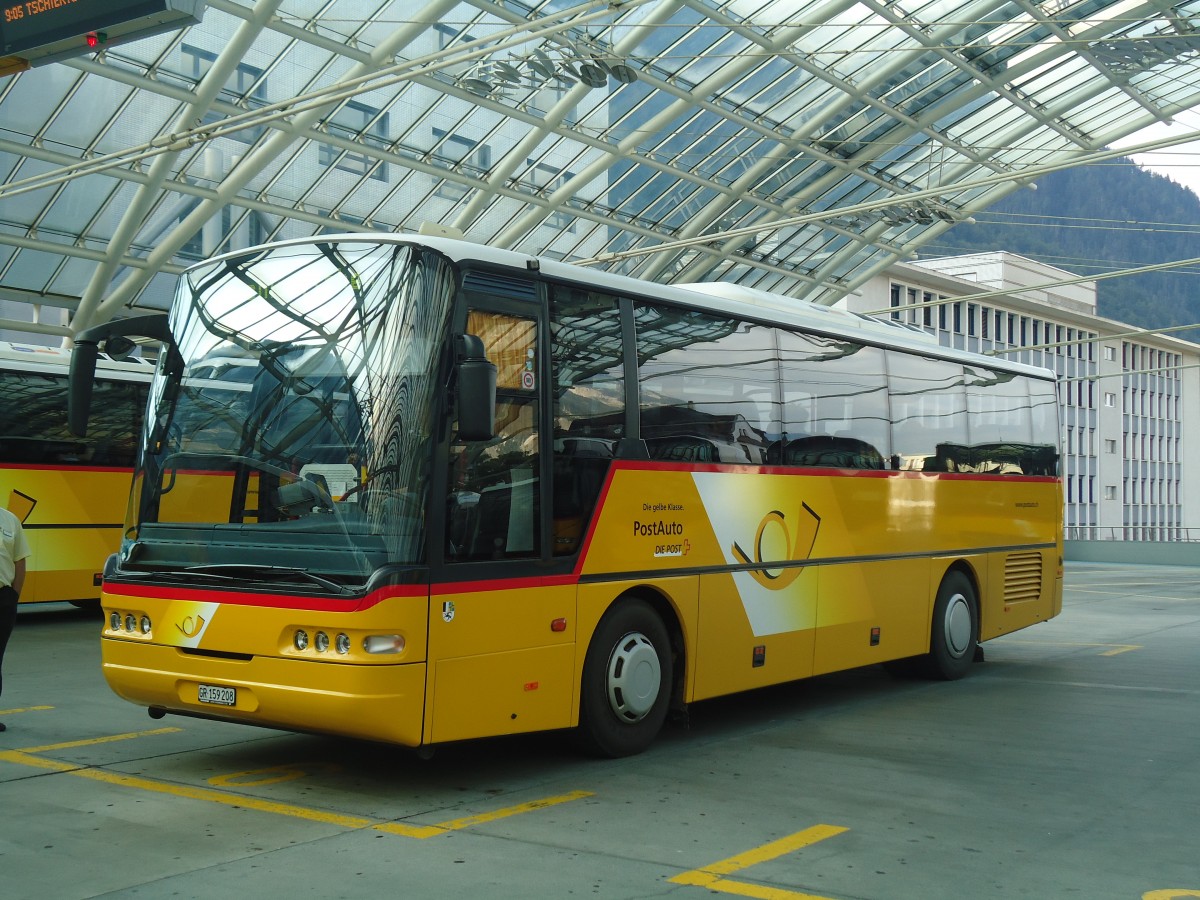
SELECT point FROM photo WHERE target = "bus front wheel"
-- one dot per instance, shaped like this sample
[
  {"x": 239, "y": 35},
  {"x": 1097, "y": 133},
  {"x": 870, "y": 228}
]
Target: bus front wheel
[
  {"x": 626, "y": 681},
  {"x": 955, "y": 628}
]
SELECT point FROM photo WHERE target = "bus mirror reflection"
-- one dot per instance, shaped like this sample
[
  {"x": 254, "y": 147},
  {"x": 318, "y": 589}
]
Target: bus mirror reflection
[{"x": 118, "y": 347}]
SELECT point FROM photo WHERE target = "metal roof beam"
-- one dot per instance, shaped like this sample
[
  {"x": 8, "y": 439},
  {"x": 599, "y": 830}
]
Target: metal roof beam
[{"x": 91, "y": 304}]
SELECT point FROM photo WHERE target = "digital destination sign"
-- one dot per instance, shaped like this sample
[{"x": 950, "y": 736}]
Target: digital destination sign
[{"x": 34, "y": 28}]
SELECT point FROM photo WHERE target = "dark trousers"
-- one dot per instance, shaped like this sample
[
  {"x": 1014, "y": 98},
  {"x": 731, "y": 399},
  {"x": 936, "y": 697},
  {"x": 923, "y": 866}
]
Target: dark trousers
[{"x": 8, "y": 618}]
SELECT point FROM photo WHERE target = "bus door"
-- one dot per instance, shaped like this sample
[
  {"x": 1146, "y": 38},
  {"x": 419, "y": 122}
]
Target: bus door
[{"x": 501, "y": 633}]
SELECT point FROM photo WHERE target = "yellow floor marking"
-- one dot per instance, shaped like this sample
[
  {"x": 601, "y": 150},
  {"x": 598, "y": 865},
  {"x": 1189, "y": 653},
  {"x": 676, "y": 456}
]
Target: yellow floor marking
[
  {"x": 179, "y": 790},
  {"x": 23, "y": 709},
  {"x": 100, "y": 740},
  {"x": 425, "y": 831},
  {"x": 27, "y": 758},
  {"x": 710, "y": 876},
  {"x": 1114, "y": 649},
  {"x": 1170, "y": 894}
]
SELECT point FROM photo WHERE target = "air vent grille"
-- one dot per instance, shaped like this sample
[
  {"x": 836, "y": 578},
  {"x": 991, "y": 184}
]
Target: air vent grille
[{"x": 1022, "y": 577}]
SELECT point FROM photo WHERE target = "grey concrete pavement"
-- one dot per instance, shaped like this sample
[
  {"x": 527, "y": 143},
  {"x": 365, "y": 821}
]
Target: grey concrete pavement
[{"x": 1064, "y": 766}]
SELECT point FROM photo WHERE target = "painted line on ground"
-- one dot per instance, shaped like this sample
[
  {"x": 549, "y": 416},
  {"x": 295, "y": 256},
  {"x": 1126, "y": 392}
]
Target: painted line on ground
[
  {"x": 712, "y": 875},
  {"x": 1114, "y": 649},
  {"x": 100, "y": 740},
  {"x": 29, "y": 757},
  {"x": 23, "y": 709},
  {"x": 427, "y": 831}
]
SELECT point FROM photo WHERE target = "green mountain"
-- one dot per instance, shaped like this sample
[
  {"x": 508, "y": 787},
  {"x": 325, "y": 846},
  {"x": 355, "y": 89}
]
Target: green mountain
[{"x": 1095, "y": 219}]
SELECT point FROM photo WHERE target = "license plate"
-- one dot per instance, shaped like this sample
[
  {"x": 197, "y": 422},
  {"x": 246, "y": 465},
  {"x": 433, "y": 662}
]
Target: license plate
[{"x": 218, "y": 694}]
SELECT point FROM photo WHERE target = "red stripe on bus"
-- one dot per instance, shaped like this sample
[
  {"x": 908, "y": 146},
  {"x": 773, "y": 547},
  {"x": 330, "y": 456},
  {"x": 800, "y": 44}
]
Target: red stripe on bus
[
  {"x": 36, "y": 467},
  {"x": 272, "y": 601}
]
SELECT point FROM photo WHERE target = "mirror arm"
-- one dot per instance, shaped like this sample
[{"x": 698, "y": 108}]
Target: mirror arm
[{"x": 87, "y": 351}]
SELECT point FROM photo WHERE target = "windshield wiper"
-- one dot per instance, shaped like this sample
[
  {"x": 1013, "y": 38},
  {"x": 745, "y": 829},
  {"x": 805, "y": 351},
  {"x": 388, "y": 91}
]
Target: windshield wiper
[{"x": 232, "y": 572}]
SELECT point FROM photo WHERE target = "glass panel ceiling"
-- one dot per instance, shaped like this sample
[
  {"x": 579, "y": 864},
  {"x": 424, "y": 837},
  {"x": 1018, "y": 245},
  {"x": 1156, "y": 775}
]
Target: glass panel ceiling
[{"x": 795, "y": 146}]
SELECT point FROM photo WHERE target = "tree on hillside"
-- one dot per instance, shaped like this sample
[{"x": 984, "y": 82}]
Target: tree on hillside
[{"x": 1095, "y": 219}]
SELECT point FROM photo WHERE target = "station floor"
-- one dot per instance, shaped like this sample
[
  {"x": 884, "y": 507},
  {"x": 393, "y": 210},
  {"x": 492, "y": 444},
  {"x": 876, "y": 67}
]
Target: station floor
[{"x": 1064, "y": 766}]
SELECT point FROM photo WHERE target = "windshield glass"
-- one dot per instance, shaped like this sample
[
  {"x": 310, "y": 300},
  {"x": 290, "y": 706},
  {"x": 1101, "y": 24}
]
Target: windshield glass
[{"x": 290, "y": 439}]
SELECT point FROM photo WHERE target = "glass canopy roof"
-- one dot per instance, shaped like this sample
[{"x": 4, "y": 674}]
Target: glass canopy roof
[{"x": 797, "y": 146}]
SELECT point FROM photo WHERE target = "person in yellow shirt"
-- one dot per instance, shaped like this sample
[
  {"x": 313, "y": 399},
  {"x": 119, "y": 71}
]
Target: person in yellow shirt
[{"x": 14, "y": 550}]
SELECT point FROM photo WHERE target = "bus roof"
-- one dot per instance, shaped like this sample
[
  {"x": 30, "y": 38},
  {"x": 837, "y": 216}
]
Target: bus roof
[
  {"x": 718, "y": 297},
  {"x": 56, "y": 360}
]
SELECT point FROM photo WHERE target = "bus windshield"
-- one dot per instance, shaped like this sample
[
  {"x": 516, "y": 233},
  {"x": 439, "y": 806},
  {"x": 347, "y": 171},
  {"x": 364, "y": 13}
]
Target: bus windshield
[{"x": 288, "y": 436}]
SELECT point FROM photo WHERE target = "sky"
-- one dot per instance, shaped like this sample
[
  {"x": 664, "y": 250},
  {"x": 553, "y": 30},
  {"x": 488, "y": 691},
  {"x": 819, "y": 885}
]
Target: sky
[{"x": 1180, "y": 163}]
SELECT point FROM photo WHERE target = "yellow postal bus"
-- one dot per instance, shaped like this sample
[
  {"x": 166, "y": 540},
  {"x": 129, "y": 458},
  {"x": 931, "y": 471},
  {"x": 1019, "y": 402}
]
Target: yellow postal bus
[
  {"x": 68, "y": 491},
  {"x": 419, "y": 491}
]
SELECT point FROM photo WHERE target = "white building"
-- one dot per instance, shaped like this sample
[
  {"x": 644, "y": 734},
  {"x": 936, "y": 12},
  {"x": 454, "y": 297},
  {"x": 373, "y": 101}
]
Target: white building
[{"x": 1130, "y": 401}]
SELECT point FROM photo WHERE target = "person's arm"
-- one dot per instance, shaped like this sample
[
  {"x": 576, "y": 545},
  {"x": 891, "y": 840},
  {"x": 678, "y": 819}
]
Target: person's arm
[{"x": 19, "y": 577}]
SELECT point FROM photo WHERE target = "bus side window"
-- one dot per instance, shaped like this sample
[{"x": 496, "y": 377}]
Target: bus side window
[{"x": 588, "y": 405}]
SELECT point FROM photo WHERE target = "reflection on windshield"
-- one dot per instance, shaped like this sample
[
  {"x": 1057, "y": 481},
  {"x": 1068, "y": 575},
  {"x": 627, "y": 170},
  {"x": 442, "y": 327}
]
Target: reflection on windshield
[{"x": 298, "y": 433}]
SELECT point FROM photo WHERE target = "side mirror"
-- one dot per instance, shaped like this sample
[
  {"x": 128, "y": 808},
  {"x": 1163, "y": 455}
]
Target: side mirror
[
  {"x": 476, "y": 379},
  {"x": 117, "y": 344}
]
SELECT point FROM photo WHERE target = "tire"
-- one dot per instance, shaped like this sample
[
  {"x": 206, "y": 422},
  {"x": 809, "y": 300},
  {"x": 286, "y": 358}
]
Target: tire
[
  {"x": 955, "y": 631},
  {"x": 627, "y": 676}
]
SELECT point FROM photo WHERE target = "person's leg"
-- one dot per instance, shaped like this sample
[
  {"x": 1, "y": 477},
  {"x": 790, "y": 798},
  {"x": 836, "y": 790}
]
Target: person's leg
[{"x": 8, "y": 618}]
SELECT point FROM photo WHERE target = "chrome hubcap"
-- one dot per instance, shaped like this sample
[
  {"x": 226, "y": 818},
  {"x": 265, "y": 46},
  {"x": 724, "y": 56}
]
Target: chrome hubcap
[
  {"x": 958, "y": 625},
  {"x": 634, "y": 677}
]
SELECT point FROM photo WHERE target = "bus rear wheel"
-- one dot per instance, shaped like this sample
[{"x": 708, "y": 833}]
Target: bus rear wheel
[
  {"x": 955, "y": 628},
  {"x": 626, "y": 681}
]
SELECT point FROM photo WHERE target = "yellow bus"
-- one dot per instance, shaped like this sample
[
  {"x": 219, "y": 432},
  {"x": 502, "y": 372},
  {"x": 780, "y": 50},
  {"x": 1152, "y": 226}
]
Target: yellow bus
[
  {"x": 68, "y": 491},
  {"x": 418, "y": 490}
]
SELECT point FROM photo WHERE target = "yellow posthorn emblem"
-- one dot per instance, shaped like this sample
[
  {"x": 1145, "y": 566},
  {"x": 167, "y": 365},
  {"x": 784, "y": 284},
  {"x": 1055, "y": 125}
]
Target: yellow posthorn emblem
[
  {"x": 191, "y": 625},
  {"x": 779, "y": 577}
]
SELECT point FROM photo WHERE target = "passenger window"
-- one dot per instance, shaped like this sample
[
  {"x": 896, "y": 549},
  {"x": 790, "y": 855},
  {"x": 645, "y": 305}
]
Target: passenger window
[
  {"x": 835, "y": 403},
  {"x": 929, "y": 414},
  {"x": 708, "y": 386},
  {"x": 1002, "y": 416},
  {"x": 588, "y": 405}
]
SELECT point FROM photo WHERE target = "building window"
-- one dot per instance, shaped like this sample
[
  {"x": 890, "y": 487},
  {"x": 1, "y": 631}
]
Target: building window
[
  {"x": 1110, "y": 354},
  {"x": 545, "y": 180},
  {"x": 1110, "y": 399},
  {"x": 447, "y": 35},
  {"x": 362, "y": 124},
  {"x": 246, "y": 85},
  {"x": 1110, "y": 445},
  {"x": 465, "y": 154},
  {"x": 1110, "y": 492}
]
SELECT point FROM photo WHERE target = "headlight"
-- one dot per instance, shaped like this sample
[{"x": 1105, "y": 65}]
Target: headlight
[
  {"x": 130, "y": 623},
  {"x": 322, "y": 643},
  {"x": 114, "y": 621},
  {"x": 342, "y": 643},
  {"x": 145, "y": 623},
  {"x": 300, "y": 639}
]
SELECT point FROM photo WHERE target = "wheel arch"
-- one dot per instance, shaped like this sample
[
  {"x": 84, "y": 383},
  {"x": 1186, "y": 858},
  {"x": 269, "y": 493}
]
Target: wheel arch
[
  {"x": 666, "y": 608},
  {"x": 671, "y": 619},
  {"x": 965, "y": 567}
]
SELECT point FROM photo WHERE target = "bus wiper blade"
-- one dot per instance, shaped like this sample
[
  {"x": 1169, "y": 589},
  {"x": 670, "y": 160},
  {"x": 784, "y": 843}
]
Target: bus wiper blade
[{"x": 231, "y": 571}]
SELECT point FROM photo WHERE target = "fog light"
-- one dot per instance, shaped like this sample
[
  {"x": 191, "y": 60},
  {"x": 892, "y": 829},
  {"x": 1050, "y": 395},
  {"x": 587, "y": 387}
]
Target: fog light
[
  {"x": 145, "y": 623},
  {"x": 322, "y": 642},
  {"x": 342, "y": 643},
  {"x": 114, "y": 621},
  {"x": 300, "y": 639},
  {"x": 130, "y": 623},
  {"x": 384, "y": 643}
]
